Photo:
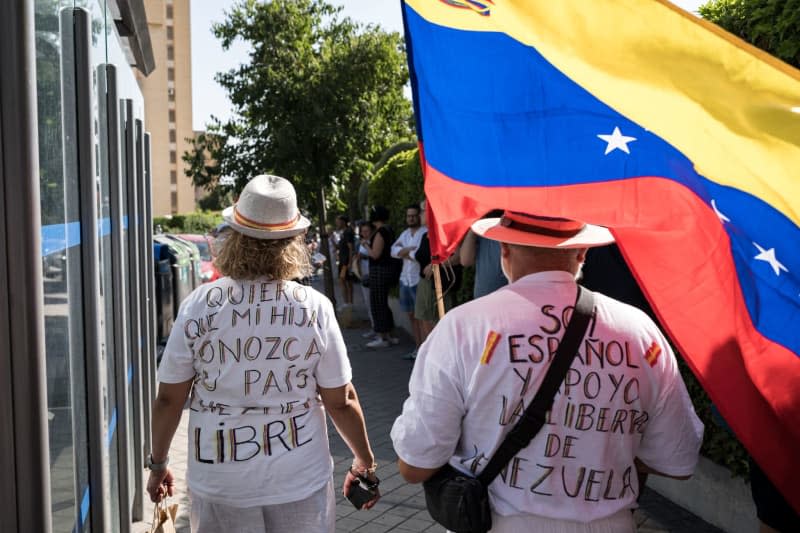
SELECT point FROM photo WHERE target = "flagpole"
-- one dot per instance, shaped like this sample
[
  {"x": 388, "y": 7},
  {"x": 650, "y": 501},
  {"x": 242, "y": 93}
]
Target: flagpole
[{"x": 437, "y": 284}]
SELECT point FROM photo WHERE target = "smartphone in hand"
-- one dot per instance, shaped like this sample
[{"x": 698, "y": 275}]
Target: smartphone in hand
[{"x": 359, "y": 495}]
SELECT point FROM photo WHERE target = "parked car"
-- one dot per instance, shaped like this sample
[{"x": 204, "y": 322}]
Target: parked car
[{"x": 208, "y": 272}]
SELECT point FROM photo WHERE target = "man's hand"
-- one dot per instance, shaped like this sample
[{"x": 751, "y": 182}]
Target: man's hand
[
  {"x": 160, "y": 484},
  {"x": 405, "y": 252},
  {"x": 428, "y": 271}
]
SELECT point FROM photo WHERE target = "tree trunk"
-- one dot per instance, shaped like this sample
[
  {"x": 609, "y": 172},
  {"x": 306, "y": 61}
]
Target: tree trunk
[{"x": 329, "y": 267}]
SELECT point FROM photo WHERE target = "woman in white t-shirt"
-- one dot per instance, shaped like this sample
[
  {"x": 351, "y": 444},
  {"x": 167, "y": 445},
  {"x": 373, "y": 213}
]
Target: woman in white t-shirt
[{"x": 263, "y": 359}]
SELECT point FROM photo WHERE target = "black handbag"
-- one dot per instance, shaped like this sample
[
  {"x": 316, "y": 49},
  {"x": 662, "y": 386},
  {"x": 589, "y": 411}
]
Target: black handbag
[{"x": 459, "y": 501}]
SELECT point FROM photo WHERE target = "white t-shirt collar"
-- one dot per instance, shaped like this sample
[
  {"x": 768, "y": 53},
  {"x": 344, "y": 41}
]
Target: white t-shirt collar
[{"x": 548, "y": 276}]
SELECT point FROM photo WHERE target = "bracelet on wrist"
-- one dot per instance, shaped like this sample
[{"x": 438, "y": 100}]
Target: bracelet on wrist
[
  {"x": 156, "y": 467},
  {"x": 370, "y": 484},
  {"x": 364, "y": 470}
]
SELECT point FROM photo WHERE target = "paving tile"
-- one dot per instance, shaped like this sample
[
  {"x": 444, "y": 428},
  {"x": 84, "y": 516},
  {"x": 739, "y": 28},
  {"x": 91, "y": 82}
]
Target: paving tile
[{"x": 415, "y": 524}]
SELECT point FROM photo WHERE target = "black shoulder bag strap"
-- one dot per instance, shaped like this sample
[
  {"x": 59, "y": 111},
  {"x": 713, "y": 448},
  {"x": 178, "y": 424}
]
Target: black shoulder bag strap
[{"x": 535, "y": 415}]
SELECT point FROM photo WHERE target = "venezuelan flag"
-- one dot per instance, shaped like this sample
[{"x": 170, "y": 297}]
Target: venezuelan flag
[{"x": 633, "y": 114}]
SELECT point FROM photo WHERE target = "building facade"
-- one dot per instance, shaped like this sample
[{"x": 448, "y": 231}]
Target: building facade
[
  {"x": 77, "y": 342},
  {"x": 168, "y": 104}
]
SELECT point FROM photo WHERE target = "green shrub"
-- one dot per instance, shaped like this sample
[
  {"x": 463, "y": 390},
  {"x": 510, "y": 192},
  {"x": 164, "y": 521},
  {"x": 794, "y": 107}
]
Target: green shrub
[{"x": 197, "y": 222}]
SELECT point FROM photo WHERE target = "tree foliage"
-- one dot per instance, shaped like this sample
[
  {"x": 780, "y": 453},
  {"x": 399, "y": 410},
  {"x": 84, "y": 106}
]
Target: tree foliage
[
  {"x": 396, "y": 185},
  {"x": 772, "y": 25},
  {"x": 318, "y": 100}
]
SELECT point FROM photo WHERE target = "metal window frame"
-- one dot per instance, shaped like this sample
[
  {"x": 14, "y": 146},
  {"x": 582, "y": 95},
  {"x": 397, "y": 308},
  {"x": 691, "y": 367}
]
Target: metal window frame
[
  {"x": 77, "y": 93},
  {"x": 150, "y": 260},
  {"x": 136, "y": 343},
  {"x": 145, "y": 273},
  {"x": 25, "y": 458},
  {"x": 109, "y": 133}
]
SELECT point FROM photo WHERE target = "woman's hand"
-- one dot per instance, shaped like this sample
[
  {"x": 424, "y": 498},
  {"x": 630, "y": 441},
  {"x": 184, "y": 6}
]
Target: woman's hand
[{"x": 160, "y": 484}]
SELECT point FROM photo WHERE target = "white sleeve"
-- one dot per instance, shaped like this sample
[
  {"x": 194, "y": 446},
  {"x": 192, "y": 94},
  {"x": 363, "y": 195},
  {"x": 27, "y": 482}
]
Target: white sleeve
[
  {"x": 177, "y": 362},
  {"x": 398, "y": 245},
  {"x": 673, "y": 435},
  {"x": 425, "y": 435},
  {"x": 333, "y": 369}
]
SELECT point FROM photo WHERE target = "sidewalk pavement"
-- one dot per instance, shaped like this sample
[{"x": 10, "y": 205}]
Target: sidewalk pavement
[{"x": 381, "y": 380}]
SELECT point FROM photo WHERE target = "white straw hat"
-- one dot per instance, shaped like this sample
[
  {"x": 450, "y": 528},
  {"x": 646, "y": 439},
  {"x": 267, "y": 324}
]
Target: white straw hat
[
  {"x": 267, "y": 209},
  {"x": 545, "y": 232}
]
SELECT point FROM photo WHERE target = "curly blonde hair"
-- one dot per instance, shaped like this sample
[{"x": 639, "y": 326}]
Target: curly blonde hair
[{"x": 244, "y": 258}]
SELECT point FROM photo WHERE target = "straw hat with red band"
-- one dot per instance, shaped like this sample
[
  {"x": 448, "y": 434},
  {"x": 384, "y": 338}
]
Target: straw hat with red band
[
  {"x": 544, "y": 232},
  {"x": 267, "y": 209}
]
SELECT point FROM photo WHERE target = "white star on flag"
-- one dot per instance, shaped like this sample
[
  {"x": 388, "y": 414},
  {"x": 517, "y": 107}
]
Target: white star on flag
[
  {"x": 769, "y": 257},
  {"x": 617, "y": 140},
  {"x": 719, "y": 213}
]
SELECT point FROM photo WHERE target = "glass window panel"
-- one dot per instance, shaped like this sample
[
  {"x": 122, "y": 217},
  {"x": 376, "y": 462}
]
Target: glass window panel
[{"x": 64, "y": 343}]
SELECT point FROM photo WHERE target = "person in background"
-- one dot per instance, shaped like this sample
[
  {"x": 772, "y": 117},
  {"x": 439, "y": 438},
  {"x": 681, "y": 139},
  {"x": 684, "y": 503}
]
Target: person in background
[
  {"x": 365, "y": 230},
  {"x": 346, "y": 251},
  {"x": 217, "y": 236},
  {"x": 484, "y": 254},
  {"x": 426, "y": 309},
  {"x": 380, "y": 277},
  {"x": 333, "y": 245},
  {"x": 404, "y": 248},
  {"x": 262, "y": 360},
  {"x": 485, "y": 361}
]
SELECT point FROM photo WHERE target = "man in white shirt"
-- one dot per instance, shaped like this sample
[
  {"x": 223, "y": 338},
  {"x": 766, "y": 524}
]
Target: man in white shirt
[
  {"x": 621, "y": 408},
  {"x": 404, "y": 248}
]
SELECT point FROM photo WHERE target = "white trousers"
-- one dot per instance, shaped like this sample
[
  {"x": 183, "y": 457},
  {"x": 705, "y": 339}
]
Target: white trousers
[
  {"x": 315, "y": 514},
  {"x": 620, "y": 522}
]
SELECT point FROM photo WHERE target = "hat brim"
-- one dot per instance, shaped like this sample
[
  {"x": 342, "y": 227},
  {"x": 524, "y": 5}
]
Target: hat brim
[
  {"x": 588, "y": 237},
  {"x": 302, "y": 225}
]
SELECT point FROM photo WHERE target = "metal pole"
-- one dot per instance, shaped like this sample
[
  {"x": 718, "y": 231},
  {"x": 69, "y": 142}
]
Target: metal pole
[
  {"x": 437, "y": 284},
  {"x": 83, "y": 133},
  {"x": 24, "y": 458}
]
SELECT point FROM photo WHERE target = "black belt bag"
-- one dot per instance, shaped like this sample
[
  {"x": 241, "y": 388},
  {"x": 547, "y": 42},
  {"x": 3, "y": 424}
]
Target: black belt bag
[{"x": 459, "y": 501}]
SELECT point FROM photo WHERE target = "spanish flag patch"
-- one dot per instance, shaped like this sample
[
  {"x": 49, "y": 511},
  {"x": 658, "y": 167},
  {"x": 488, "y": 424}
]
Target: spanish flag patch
[
  {"x": 652, "y": 353},
  {"x": 491, "y": 343}
]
